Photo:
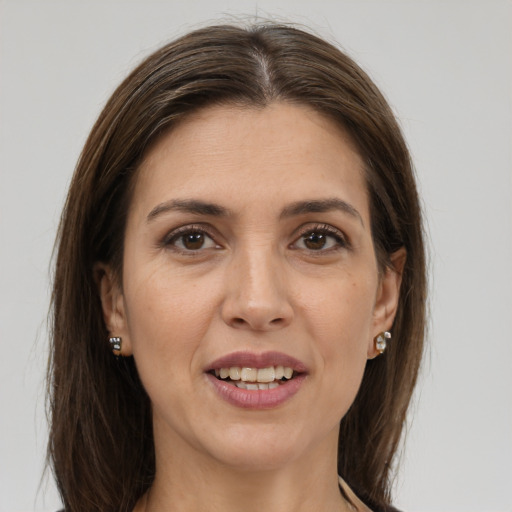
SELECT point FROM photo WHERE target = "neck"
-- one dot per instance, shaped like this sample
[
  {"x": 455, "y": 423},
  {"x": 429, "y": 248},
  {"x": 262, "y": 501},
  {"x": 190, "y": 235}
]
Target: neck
[
  {"x": 249, "y": 492},
  {"x": 187, "y": 480}
]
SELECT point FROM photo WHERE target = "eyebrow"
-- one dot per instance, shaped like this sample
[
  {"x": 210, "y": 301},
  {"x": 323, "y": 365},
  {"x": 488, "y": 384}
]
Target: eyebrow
[
  {"x": 320, "y": 206},
  {"x": 188, "y": 206},
  {"x": 198, "y": 207}
]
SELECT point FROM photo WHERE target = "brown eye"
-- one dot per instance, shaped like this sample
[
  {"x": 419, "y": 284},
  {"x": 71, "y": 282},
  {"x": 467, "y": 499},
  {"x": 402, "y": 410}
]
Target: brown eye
[
  {"x": 193, "y": 241},
  {"x": 321, "y": 239},
  {"x": 315, "y": 241},
  {"x": 190, "y": 240}
]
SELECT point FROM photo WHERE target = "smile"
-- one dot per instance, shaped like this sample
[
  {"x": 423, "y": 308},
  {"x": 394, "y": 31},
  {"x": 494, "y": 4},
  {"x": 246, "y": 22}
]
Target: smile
[
  {"x": 256, "y": 381},
  {"x": 255, "y": 378}
]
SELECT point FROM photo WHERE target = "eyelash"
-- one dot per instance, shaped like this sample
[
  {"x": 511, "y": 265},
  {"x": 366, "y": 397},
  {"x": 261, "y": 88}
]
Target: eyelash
[
  {"x": 341, "y": 241},
  {"x": 327, "y": 230},
  {"x": 172, "y": 238}
]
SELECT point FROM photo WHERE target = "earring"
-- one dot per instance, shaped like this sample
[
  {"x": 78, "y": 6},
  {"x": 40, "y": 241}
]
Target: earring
[
  {"x": 381, "y": 341},
  {"x": 115, "y": 344}
]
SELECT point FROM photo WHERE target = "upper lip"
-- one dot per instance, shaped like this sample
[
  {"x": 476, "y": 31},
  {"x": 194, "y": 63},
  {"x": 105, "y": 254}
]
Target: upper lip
[{"x": 246, "y": 359}]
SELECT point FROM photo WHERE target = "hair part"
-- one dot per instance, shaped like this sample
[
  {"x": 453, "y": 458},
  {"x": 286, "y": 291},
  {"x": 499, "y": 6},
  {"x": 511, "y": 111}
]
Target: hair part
[{"x": 101, "y": 441}]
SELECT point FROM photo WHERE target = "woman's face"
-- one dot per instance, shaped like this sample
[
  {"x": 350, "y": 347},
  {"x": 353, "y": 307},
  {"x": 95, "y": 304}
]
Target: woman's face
[{"x": 248, "y": 247}]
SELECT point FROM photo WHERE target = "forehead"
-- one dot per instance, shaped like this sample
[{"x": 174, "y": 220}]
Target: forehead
[{"x": 238, "y": 154}]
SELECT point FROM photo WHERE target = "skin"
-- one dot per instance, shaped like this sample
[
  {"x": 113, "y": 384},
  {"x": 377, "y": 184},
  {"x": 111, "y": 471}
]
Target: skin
[{"x": 256, "y": 284}]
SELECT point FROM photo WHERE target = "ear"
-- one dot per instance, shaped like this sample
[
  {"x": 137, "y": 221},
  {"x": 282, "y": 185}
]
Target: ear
[
  {"x": 386, "y": 302},
  {"x": 112, "y": 303}
]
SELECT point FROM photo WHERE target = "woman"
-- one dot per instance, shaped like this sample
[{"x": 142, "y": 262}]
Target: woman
[{"x": 241, "y": 235}]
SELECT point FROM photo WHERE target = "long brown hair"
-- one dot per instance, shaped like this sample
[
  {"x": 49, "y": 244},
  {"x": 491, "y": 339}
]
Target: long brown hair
[{"x": 101, "y": 442}]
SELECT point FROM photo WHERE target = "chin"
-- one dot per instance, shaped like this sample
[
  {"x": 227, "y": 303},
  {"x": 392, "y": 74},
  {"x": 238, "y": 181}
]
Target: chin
[
  {"x": 259, "y": 448},
  {"x": 257, "y": 461}
]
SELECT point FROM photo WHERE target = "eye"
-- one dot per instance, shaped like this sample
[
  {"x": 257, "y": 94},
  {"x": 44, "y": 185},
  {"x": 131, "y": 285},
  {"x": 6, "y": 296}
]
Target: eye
[
  {"x": 190, "y": 239},
  {"x": 321, "y": 238}
]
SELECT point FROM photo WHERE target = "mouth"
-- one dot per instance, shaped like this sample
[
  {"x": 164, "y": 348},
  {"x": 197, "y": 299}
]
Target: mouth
[{"x": 254, "y": 379}]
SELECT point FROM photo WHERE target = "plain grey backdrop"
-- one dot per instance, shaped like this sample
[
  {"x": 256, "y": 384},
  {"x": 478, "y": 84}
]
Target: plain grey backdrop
[{"x": 445, "y": 67}]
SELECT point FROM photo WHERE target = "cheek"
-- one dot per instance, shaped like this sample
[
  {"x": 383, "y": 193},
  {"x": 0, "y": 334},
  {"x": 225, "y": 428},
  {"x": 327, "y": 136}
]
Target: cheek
[
  {"x": 341, "y": 313},
  {"x": 341, "y": 322},
  {"x": 167, "y": 317}
]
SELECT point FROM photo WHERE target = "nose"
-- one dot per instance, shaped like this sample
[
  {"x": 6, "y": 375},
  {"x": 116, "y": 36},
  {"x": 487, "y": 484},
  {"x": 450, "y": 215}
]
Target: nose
[{"x": 257, "y": 296}]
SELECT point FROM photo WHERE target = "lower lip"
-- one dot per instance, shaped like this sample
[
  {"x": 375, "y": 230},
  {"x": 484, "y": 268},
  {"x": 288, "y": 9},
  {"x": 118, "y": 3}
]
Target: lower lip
[{"x": 258, "y": 398}]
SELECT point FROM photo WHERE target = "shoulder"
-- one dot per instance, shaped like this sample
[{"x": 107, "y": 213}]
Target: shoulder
[
  {"x": 376, "y": 508},
  {"x": 386, "y": 509},
  {"x": 364, "y": 506}
]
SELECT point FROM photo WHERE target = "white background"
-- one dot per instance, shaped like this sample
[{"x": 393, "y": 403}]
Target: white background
[{"x": 446, "y": 68}]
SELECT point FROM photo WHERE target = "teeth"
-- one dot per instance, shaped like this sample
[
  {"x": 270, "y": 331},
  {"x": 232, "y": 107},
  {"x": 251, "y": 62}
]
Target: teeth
[
  {"x": 266, "y": 376},
  {"x": 249, "y": 374},
  {"x": 234, "y": 373},
  {"x": 243, "y": 385}
]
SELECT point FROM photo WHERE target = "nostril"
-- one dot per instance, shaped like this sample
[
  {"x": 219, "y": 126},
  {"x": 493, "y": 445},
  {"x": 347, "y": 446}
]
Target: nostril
[{"x": 241, "y": 322}]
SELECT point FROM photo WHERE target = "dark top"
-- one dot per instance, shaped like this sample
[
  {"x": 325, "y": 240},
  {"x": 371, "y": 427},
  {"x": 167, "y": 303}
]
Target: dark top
[
  {"x": 373, "y": 509},
  {"x": 372, "y": 506},
  {"x": 380, "y": 509}
]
